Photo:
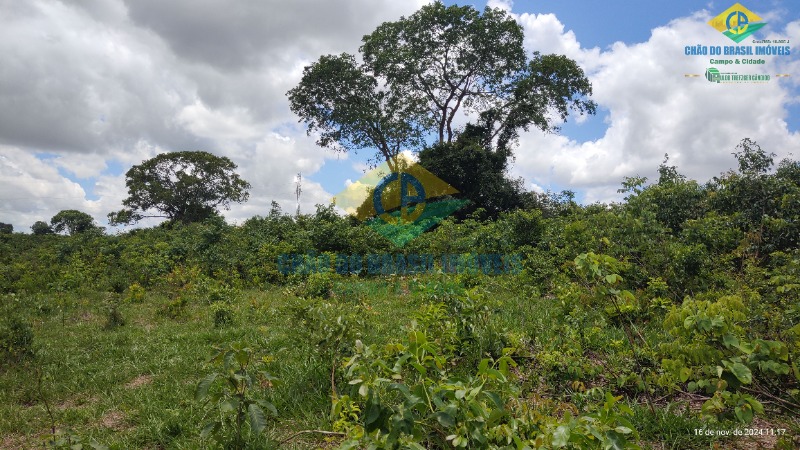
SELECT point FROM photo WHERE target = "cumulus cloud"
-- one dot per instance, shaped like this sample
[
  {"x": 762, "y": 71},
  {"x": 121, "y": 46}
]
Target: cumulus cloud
[
  {"x": 29, "y": 187},
  {"x": 654, "y": 109},
  {"x": 100, "y": 85}
]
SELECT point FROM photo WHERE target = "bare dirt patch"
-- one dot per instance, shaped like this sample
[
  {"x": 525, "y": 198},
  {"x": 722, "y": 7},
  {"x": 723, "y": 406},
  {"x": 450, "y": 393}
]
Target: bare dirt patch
[
  {"x": 139, "y": 381},
  {"x": 75, "y": 402},
  {"x": 14, "y": 442},
  {"x": 114, "y": 420}
]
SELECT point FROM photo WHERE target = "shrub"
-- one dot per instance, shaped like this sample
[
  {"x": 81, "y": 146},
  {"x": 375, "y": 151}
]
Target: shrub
[
  {"x": 114, "y": 317},
  {"x": 16, "y": 339},
  {"x": 317, "y": 285},
  {"x": 235, "y": 402},
  {"x": 405, "y": 396},
  {"x": 223, "y": 315},
  {"x": 710, "y": 353},
  {"x": 135, "y": 293}
]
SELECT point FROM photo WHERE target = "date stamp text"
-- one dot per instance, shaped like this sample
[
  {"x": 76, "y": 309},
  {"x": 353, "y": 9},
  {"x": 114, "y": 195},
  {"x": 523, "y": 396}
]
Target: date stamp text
[{"x": 740, "y": 432}]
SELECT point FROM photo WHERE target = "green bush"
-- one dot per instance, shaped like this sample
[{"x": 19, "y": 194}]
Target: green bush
[
  {"x": 16, "y": 339},
  {"x": 407, "y": 396},
  {"x": 317, "y": 285},
  {"x": 223, "y": 314},
  {"x": 114, "y": 316},
  {"x": 135, "y": 293},
  {"x": 712, "y": 353},
  {"x": 231, "y": 397}
]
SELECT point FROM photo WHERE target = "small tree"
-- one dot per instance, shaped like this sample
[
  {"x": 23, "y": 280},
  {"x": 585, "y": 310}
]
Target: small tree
[
  {"x": 41, "y": 227},
  {"x": 182, "y": 186},
  {"x": 6, "y": 228},
  {"x": 72, "y": 221}
]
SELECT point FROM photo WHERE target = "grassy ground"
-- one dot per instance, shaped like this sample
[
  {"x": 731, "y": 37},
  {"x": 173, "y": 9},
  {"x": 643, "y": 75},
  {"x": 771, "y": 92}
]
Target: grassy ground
[{"x": 132, "y": 386}]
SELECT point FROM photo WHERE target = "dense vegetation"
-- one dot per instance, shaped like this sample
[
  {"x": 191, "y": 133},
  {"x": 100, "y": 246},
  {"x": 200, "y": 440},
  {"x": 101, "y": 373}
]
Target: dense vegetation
[{"x": 636, "y": 323}]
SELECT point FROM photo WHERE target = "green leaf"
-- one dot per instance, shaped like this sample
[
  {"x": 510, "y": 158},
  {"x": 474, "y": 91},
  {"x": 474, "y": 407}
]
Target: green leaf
[
  {"x": 445, "y": 419},
  {"x": 268, "y": 406},
  {"x": 561, "y": 436},
  {"x": 243, "y": 357},
  {"x": 742, "y": 373},
  {"x": 257, "y": 419},
  {"x": 202, "y": 387},
  {"x": 229, "y": 405},
  {"x": 420, "y": 368},
  {"x": 496, "y": 400},
  {"x": 612, "y": 278},
  {"x": 744, "y": 413},
  {"x": 685, "y": 373},
  {"x": 373, "y": 413},
  {"x": 474, "y": 392},
  {"x": 730, "y": 340},
  {"x": 348, "y": 445},
  {"x": 758, "y": 408},
  {"x": 616, "y": 441},
  {"x": 209, "y": 428}
]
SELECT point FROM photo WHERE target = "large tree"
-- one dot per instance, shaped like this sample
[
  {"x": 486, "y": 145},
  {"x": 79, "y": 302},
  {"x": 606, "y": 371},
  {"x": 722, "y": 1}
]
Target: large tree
[
  {"x": 420, "y": 71},
  {"x": 180, "y": 186},
  {"x": 72, "y": 222}
]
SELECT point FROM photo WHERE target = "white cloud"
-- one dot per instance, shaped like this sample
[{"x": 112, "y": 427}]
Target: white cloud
[
  {"x": 502, "y": 4},
  {"x": 229, "y": 124},
  {"x": 654, "y": 109},
  {"x": 82, "y": 165},
  {"x": 32, "y": 190},
  {"x": 96, "y": 82}
]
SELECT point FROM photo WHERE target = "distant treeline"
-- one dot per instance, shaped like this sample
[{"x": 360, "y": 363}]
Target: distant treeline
[{"x": 693, "y": 236}]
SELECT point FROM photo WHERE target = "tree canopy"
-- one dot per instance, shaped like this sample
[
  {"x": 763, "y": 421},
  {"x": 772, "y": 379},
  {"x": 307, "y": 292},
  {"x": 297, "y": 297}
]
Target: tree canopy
[
  {"x": 180, "y": 186},
  {"x": 420, "y": 71},
  {"x": 470, "y": 165},
  {"x": 41, "y": 227},
  {"x": 72, "y": 222}
]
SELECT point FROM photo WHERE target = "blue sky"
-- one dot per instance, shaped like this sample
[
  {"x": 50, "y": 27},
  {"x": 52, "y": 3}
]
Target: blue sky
[{"x": 89, "y": 89}]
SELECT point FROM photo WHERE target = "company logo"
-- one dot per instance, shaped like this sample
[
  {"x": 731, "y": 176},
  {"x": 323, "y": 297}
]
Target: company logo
[
  {"x": 712, "y": 74},
  {"x": 715, "y": 76},
  {"x": 737, "y": 22},
  {"x": 399, "y": 200}
]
